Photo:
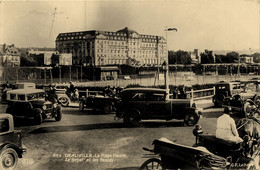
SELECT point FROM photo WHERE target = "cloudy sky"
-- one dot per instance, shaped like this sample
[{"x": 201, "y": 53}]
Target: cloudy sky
[{"x": 202, "y": 24}]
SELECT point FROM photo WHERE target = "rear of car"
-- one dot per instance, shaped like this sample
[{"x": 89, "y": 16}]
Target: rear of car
[{"x": 11, "y": 146}]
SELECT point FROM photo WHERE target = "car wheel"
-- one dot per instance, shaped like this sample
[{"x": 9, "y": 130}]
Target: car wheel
[
  {"x": 107, "y": 108},
  {"x": 191, "y": 119},
  {"x": 81, "y": 105},
  {"x": 152, "y": 163},
  {"x": 58, "y": 115},
  {"x": 38, "y": 118},
  {"x": 8, "y": 158},
  {"x": 131, "y": 119},
  {"x": 64, "y": 101}
]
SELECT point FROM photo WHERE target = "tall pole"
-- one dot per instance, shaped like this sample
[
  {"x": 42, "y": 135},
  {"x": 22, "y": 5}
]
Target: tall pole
[
  {"x": 70, "y": 73},
  {"x": 167, "y": 65},
  {"x": 81, "y": 73},
  {"x": 167, "y": 70},
  {"x": 45, "y": 81},
  {"x": 60, "y": 74}
]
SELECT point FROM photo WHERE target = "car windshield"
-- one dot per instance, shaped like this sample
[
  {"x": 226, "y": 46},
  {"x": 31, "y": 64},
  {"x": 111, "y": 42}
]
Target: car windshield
[
  {"x": 34, "y": 96},
  {"x": 222, "y": 87}
]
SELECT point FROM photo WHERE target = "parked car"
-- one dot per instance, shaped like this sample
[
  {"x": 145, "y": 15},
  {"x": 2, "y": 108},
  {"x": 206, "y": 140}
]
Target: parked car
[
  {"x": 10, "y": 143},
  {"x": 150, "y": 103},
  {"x": 98, "y": 101},
  {"x": 226, "y": 89},
  {"x": 31, "y": 104},
  {"x": 246, "y": 101}
]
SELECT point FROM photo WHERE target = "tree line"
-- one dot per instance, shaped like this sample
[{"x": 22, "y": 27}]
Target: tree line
[
  {"x": 208, "y": 57},
  {"x": 175, "y": 57}
]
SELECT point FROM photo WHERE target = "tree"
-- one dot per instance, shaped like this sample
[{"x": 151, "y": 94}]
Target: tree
[
  {"x": 219, "y": 58},
  {"x": 27, "y": 61},
  {"x": 234, "y": 56},
  {"x": 207, "y": 57},
  {"x": 181, "y": 57}
]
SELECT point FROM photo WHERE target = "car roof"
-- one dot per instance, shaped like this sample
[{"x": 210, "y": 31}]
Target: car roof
[
  {"x": 144, "y": 89},
  {"x": 25, "y": 91}
]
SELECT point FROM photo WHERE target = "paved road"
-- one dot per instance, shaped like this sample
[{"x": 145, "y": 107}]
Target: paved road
[{"x": 87, "y": 140}]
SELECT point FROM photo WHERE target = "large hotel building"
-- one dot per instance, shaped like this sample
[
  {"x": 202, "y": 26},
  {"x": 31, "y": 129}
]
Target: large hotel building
[{"x": 100, "y": 48}]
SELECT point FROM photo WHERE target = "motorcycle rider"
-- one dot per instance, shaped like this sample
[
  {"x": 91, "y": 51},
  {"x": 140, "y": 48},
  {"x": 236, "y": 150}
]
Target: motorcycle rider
[{"x": 226, "y": 127}]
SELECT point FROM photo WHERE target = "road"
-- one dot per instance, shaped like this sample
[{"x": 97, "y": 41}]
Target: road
[{"x": 88, "y": 140}]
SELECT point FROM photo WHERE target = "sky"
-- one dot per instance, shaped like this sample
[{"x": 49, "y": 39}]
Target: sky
[{"x": 201, "y": 24}]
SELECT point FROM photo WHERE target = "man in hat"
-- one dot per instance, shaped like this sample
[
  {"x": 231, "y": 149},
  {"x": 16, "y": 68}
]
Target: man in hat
[{"x": 226, "y": 127}]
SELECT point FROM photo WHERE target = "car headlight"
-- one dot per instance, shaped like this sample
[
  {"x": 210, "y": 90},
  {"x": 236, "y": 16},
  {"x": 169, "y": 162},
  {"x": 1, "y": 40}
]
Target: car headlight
[
  {"x": 44, "y": 107},
  {"x": 54, "y": 105}
]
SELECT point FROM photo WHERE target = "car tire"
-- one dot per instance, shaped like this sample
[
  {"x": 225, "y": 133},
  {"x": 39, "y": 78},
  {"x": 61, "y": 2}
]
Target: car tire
[
  {"x": 38, "y": 118},
  {"x": 81, "y": 105},
  {"x": 191, "y": 119},
  {"x": 108, "y": 108},
  {"x": 131, "y": 119},
  {"x": 64, "y": 101},
  {"x": 8, "y": 159},
  {"x": 58, "y": 115}
]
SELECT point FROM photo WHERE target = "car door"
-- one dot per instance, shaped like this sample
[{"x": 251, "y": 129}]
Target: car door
[
  {"x": 157, "y": 106},
  {"x": 137, "y": 101}
]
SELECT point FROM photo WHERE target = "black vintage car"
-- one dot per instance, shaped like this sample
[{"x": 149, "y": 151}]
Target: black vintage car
[
  {"x": 11, "y": 147},
  {"x": 31, "y": 104},
  {"x": 226, "y": 89},
  {"x": 151, "y": 103},
  {"x": 98, "y": 101}
]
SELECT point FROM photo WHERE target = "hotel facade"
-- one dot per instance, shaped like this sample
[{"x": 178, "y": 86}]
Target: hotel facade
[{"x": 101, "y": 48}]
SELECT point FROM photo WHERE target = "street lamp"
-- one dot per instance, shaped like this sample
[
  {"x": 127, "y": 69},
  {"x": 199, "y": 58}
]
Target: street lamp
[{"x": 165, "y": 64}]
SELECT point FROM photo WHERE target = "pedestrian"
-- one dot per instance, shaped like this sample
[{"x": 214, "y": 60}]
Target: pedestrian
[
  {"x": 76, "y": 95},
  {"x": 71, "y": 90}
]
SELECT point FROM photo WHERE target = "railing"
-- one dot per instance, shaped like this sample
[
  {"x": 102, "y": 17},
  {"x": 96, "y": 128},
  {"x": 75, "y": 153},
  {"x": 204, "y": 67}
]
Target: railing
[
  {"x": 201, "y": 94},
  {"x": 90, "y": 93}
]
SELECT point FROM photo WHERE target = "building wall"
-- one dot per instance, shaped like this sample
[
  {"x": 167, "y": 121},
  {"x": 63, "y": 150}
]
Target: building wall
[
  {"x": 109, "y": 48},
  {"x": 9, "y": 56}
]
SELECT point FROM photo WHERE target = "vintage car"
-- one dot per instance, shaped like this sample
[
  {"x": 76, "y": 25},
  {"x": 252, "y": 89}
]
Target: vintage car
[
  {"x": 98, "y": 101},
  {"x": 18, "y": 85},
  {"x": 31, "y": 104},
  {"x": 24, "y": 85},
  {"x": 246, "y": 101},
  {"x": 61, "y": 93},
  {"x": 10, "y": 143},
  {"x": 226, "y": 89},
  {"x": 150, "y": 103}
]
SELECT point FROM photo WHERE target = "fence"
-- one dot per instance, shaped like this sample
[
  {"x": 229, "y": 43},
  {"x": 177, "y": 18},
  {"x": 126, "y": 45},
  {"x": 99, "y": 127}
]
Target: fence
[{"x": 201, "y": 94}]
